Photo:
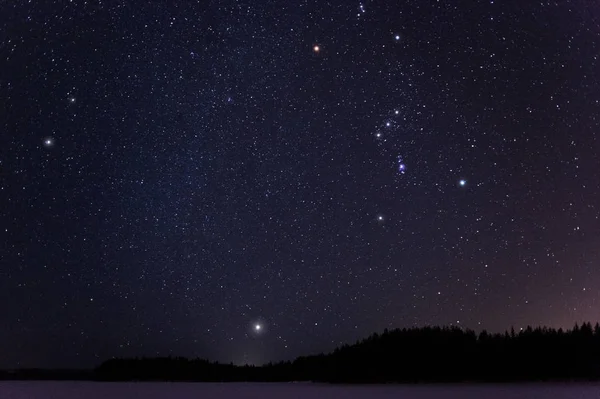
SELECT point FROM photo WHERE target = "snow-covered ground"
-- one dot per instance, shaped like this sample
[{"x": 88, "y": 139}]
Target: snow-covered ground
[{"x": 93, "y": 390}]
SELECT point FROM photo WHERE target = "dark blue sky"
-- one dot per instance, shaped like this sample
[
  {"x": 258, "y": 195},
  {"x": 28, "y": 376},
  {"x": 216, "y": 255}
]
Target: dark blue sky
[{"x": 174, "y": 173}]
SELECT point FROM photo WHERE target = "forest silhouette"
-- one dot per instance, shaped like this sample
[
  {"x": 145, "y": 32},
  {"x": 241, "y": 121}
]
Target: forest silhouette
[{"x": 429, "y": 354}]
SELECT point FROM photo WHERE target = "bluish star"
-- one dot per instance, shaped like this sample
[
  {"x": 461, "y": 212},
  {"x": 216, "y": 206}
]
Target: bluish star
[
  {"x": 401, "y": 165},
  {"x": 48, "y": 142}
]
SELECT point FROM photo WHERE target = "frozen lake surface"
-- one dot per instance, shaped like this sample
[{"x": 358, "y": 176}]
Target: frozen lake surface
[{"x": 162, "y": 390}]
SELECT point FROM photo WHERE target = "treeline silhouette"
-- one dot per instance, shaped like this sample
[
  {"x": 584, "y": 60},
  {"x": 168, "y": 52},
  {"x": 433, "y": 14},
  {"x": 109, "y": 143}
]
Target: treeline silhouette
[{"x": 429, "y": 354}]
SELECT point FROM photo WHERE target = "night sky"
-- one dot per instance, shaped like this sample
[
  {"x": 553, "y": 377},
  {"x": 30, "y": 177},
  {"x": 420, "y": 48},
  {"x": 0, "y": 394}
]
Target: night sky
[{"x": 254, "y": 180}]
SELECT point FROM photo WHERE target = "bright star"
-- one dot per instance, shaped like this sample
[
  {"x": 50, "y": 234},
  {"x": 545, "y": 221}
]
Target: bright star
[
  {"x": 462, "y": 182},
  {"x": 380, "y": 218},
  {"x": 316, "y": 48},
  {"x": 397, "y": 37},
  {"x": 48, "y": 142},
  {"x": 72, "y": 99},
  {"x": 258, "y": 328}
]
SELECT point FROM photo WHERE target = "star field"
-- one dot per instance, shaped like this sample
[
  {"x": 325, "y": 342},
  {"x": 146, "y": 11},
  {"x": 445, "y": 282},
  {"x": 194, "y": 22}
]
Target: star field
[{"x": 250, "y": 181}]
